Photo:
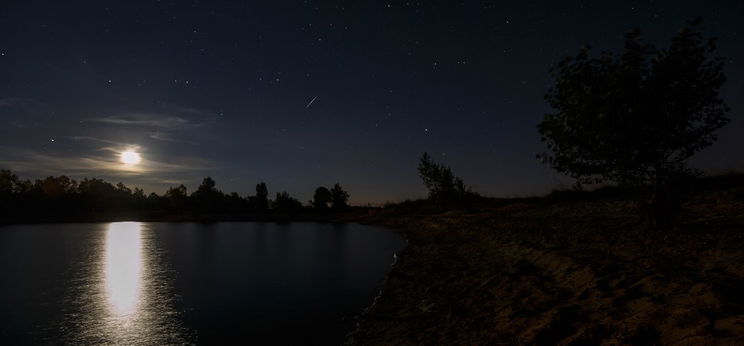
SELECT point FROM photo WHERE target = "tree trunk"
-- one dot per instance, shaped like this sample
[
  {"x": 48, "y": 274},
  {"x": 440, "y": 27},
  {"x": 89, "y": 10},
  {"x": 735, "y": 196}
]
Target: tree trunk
[{"x": 666, "y": 204}]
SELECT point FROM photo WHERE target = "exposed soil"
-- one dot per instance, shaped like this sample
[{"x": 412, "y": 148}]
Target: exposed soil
[{"x": 563, "y": 273}]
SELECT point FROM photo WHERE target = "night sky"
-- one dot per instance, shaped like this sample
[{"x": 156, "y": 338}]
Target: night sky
[{"x": 302, "y": 93}]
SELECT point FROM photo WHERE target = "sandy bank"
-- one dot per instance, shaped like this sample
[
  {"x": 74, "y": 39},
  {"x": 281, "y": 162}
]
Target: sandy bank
[{"x": 564, "y": 273}]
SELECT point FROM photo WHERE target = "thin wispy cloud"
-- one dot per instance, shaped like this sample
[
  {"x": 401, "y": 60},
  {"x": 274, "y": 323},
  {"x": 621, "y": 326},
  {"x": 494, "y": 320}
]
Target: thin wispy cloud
[
  {"x": 19, "y": 102},
  {"x": 166, "y": 137},
  {"x": 165, "y": 117},
  {"x": 150, "y": 120},
  {"x": 100, "y": 140},
  {"x": 161, "y": 136},
  {"x": 166, "y": 123},
  {"x": 42, "y": 164}
]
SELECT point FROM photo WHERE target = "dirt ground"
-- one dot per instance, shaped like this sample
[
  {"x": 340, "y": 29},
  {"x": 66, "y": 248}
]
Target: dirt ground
[{"x": 563, "y": 273}]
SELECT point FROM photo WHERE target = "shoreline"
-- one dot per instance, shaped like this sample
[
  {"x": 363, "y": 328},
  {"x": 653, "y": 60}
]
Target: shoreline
[
  {"x": 331, "y": 217},
  {"x": 569, "y": 272}
]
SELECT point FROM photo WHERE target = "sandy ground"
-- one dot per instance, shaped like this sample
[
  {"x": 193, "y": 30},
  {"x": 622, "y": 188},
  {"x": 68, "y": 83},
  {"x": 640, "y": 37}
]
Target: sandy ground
[{"x": 563, "y": 273}]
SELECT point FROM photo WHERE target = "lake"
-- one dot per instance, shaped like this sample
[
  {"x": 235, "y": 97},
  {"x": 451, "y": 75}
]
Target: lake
[{"x": 164, "y": 283}]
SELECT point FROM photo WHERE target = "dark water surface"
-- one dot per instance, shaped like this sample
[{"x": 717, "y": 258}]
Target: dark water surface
[{"x": 164, "y": 283}]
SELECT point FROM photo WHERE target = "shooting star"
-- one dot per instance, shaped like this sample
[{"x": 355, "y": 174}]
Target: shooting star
[{"x": 311, "y": 102}]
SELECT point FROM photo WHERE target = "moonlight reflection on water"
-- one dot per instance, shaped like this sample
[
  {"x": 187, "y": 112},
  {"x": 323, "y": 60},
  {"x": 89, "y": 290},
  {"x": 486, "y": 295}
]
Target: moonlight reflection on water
[
  {"x": 123, "y": 268},
  {"x": 132, "y": 299}
]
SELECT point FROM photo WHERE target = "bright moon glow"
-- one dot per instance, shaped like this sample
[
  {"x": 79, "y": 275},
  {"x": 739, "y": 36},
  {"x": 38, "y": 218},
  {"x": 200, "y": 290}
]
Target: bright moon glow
[{"x": 130, "y": 157}]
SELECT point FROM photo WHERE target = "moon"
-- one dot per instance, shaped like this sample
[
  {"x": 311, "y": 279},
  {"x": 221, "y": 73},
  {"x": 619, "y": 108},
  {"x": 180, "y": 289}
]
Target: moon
[{"x": 130, "y": 157}]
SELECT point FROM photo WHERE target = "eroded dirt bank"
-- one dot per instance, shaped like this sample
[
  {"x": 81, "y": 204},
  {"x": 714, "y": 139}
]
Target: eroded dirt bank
[{"x": 563, "y": 273}]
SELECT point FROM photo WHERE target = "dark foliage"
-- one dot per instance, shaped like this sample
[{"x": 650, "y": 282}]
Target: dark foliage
[
  {"x": 260, "y": 202},
  {"x": 444, "y": 187},
  {"x": 177, "y": 198},
  {"x": 285, "y": 203},
  {"x": 60, "y": 198},
  {"x": 321, "y": 198},
  {"x": 635, "y": 117},
  {"x": 207, "y": 198},
  {"x": 339, "y": 197}
]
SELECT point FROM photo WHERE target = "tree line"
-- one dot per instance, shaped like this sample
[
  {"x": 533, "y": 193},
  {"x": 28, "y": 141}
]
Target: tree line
[{"x": 62, "y": 196}]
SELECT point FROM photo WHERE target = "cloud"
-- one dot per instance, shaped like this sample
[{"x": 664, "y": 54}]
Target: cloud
[
  {"x": 96, "y": 139},
  {"x": 42, "y": 164},
  {"x": 150, "y": 120},
  {"x": 161, "y": 136},
  {"x": 172, "y": 181},
  {"x": 167, "y": 117},
  {"x": 15, "y": 101},
  {"x": 156, "y": 135},
  {"x": 166, "y": 137}
]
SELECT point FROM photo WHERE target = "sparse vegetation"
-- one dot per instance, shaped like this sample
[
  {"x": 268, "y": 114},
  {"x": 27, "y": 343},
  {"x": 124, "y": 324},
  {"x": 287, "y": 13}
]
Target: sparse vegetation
[{"x": 443, "y": 186}]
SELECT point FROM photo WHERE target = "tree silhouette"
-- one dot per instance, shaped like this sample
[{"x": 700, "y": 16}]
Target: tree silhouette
[
  {"x": 9, "y": 190},
  {"x": 285, "y": 203},
  {"x": 207, "y": 197},
  {"x": 442, "y": 184},
  {"x": 339, "y": 197},
  {"x": 97, "y": 194},
  {"x": 207, "y": 186},
  {"x": 260, "y": 202},
  {"x": 8, "y": 182},
  {"x": 321, "y": 198},
  {"x": 177, "y": 197},
  {"x": 635, "y": 117},
  {"x": 179, "y": 191},
  {"x": 59, "y": 186}
]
